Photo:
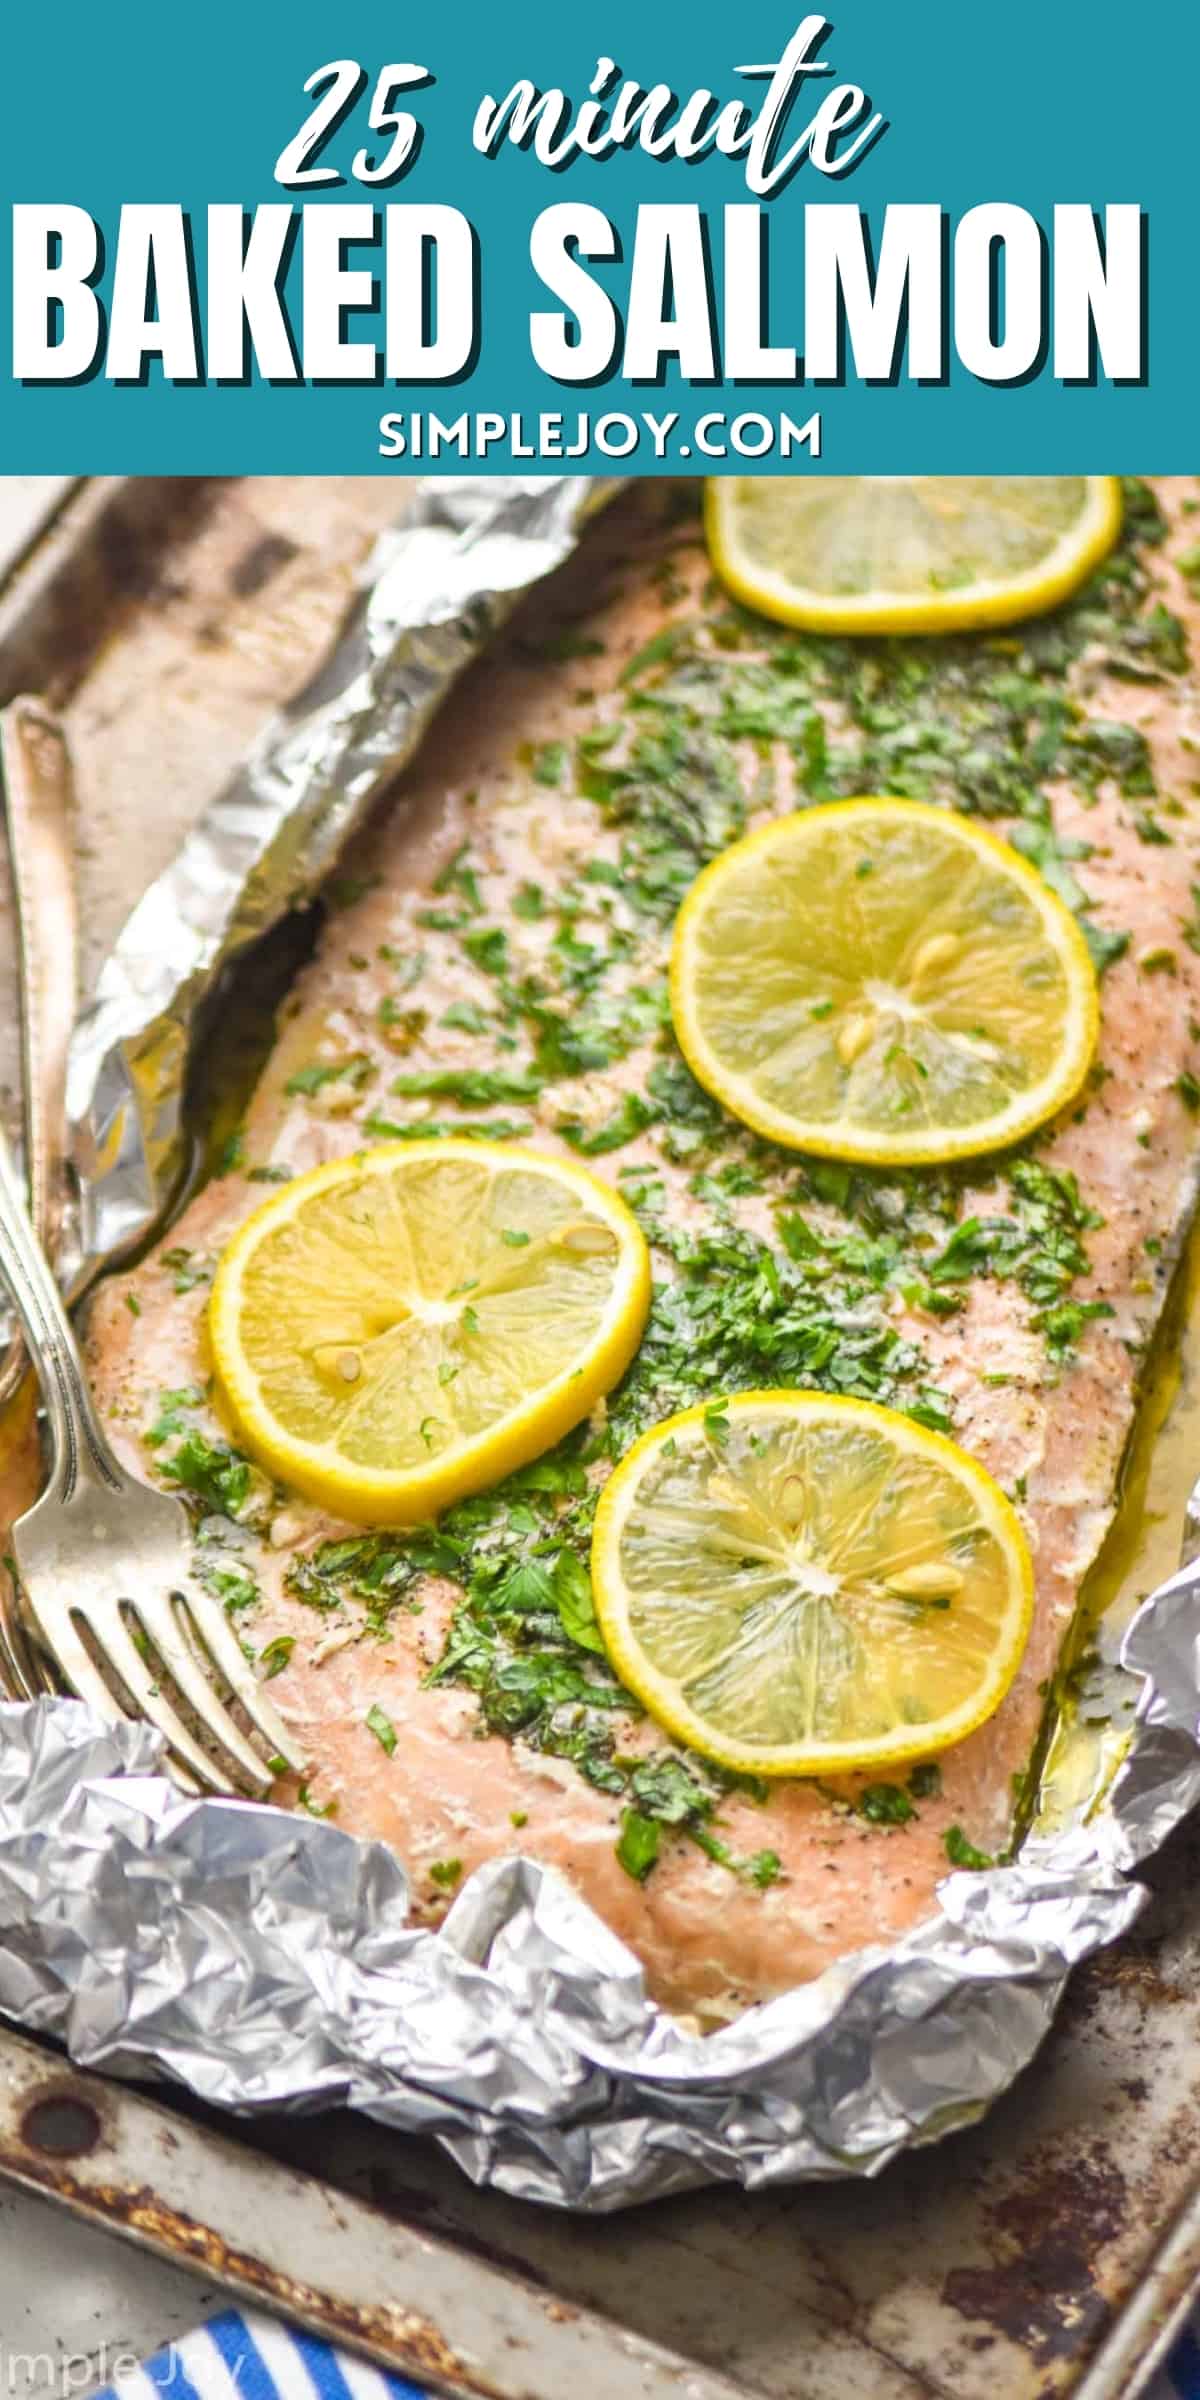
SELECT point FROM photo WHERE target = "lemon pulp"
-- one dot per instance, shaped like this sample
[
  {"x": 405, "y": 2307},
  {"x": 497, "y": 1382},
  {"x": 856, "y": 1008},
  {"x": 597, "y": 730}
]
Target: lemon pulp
[
  {"x": 399, "y": 1328},
  {"x": 795, "y": 1584},
  {"x": 882, "y": 980}
]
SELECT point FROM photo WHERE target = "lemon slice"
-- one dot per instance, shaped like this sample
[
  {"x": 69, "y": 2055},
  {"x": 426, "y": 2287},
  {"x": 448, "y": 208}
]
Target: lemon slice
[
  {"x": 882, "y": 980},
  {"x": 908, "y": 553},
  {"x": 400, "y": 1328},
  {"x": 797, "y": 1585}
]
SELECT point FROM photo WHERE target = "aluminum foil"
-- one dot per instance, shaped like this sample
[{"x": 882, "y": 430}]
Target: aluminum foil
[
  {"x": 266, "y": 1960},
  {"x": 435, "y": 589}
]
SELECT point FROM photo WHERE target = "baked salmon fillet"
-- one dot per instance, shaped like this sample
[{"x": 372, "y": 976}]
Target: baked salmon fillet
[{"x": 494, "y": 959}]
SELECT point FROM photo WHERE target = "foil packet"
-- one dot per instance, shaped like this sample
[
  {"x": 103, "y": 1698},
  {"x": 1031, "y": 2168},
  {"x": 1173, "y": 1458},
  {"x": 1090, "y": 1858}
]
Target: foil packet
[{"x": 267, "y": 1960}]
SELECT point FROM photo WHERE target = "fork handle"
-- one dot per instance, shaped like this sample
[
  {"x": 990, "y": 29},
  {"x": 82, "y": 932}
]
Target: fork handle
[
  {"x": 79, "y": 1451},
  {"x": 35, "y": 767}
]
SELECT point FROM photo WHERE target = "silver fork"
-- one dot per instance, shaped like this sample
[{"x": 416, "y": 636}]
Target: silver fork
[
  {"x": 37, "y": 801},
  {"x": 102, "y": 1554}
]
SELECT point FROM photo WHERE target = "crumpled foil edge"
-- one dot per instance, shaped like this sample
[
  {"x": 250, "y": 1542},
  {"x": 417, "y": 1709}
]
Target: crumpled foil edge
[{"x": 267, "y": 1960}]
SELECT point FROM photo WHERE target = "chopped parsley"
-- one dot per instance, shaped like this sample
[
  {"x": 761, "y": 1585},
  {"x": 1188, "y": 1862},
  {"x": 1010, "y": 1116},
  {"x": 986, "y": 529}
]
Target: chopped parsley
[
  {"x": 631, "y": 1116},
  {"x": 925, "y": 1782},
  {"x": 459, "y": 876},
  {"x": 356, "y": 1070},
  {"x": 187, "y": 1271},
  {"x": 550, "y": 764},
  {"x": 382, "y": 1728},
  {"x": 423, "y": 1129},
  {"x": 212, "y": 1472},
  {"x": 471, "y": 1087},
  {"x": 235, "y": 1590},
  {"x": 488, "y": 949},
  {"x": 464, "y": 1017},
  {"x": 639, "y": 1842},
  {"x": 1039, "y": 1245},
  {"x": 173, "y": 1410},
  {"x": 886, "y": 1804},
  {"x": 961, "y": 1852}
]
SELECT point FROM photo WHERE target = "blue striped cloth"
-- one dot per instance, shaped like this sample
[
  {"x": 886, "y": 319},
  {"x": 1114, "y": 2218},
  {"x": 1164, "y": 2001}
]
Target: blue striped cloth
[
  {"x": 236, "y": 2357},
  {"x": 1180, "y": 2378}
]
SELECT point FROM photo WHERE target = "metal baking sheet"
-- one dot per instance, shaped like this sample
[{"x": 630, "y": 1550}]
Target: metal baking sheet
[
  {"x": 169, "y": 621},
  {"x": 336, "y": 2266}
]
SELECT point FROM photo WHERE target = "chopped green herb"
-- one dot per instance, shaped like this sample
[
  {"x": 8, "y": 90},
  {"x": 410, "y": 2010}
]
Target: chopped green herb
[
  {"x": 173, "y": 1408},
  {"x": 457, "y": 875},
  {"x": 405, "y": 1024},
  {"x": 465, "y": 1017},
  {"x": 356, "y": 1070},
  {"x": 186, "y": 1270},
  {"x": 885, "y": 1804},
  {"x": 629, "y": 1117},
  {"x": 962, "y": 1853},
  {"x": 764, "y": 1869},
  {"x": 925, "y": 1782},
  {"x": 639, "y": 1842},
  {"x": 213, "y": 1472},
  {"x": 550, "y": 764},
  {"x": 471, "y": 1087},
  {"x": 425, "y": 1129},
  {"x": 655, "y": 652},
  {"x": 231, "y": 1587},
  {"x": 488, "y": 949},
  {"x": 1039, "y": 1246},
  {"x": 382, "y": 1728}
]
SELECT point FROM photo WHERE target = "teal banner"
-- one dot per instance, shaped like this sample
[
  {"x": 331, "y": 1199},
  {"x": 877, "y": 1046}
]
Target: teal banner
[{"x": 637, "y": 240}]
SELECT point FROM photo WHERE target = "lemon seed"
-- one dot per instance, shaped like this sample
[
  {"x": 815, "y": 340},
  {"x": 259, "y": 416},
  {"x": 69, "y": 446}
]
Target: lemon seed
[
  {"x": 937, "y": 1580},
  {"x": 936, "y": 950},
  {"x": 853, "y": 1038},
  {"x": 588, "y": 1241}
]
